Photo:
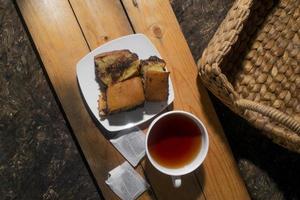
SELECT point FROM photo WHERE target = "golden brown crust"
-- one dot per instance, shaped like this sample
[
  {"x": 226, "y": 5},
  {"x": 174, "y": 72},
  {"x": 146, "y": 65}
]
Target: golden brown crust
[
  {"x": 155, "y": 79},
  {"x": 123, "y": 87},
  {"x": 123, "y": 96},
  {"x": 102, "y": 105},
  {"x": 152, "y": 60},
  {"x": 152, "y": 63},
  {"x": 156, "y": 85}
]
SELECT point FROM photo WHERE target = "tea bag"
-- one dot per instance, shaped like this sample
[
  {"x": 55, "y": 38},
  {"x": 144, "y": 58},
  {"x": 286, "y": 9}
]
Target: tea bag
[
  {"x": 131, "y": 146},
  {"x": 126, "y": 182}
]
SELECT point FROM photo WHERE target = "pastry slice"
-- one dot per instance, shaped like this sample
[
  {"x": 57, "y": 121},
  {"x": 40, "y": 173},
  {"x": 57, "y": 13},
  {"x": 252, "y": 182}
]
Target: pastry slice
[
  {"x": 116, "y": 66},
  {"x": 122, "y": 96},
  {"x": 156, "y": 85},
  {"x": 152, "y": 63},
  {"x": 155, "y": 79}
]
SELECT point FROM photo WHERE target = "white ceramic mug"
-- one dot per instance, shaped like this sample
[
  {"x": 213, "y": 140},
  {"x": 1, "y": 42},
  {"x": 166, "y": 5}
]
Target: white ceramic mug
[{"x": 176, "y": 173}]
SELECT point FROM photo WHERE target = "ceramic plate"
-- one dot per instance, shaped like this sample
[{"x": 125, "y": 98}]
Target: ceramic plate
[{"x": 142, "y": 46}]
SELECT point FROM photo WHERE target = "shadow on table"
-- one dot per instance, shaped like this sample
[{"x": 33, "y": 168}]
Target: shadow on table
[
  {"x": 122, "y": 119},
  {"x": 163, "y": 186},
  {"x": 208, "y": 109}
]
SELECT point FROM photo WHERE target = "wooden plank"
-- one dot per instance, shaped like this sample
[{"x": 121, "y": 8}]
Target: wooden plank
[
  {"x": 88, "y": 13},
  {"x": 61, "y": 45},
  {"x": 52, "y": 60},
  {"x": 101, "y": 20},
  {"x": 164, "y": 189},
  {"x": 219, "y": 174}
]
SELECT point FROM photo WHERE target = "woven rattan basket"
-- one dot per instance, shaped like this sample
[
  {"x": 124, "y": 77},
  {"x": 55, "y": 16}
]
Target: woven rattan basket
[{"x": 252, "y": 64}]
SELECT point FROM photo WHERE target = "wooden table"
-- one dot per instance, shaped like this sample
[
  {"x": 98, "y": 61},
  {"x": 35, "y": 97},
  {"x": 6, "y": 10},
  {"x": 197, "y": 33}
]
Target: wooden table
[{"x": 65, "y": 30}]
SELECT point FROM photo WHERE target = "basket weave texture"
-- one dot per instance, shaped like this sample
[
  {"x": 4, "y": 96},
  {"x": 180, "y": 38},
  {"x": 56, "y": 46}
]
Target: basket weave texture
[{"x": 252, "y": 64}]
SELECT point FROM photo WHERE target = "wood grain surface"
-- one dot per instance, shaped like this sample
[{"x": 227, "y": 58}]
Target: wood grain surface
[
  {"x": 61, "y": 42},
  {"x": 219, "y": 174},
  {"x": 101, "y": 20},
  {"x": 91, "y": 15}
]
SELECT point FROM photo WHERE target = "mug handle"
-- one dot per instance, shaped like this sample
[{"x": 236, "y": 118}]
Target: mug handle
[{"x": 176, "y": 180}]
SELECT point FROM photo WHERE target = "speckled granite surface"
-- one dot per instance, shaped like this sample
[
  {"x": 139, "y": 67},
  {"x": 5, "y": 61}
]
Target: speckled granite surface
[{"x": 38, "y": 156}]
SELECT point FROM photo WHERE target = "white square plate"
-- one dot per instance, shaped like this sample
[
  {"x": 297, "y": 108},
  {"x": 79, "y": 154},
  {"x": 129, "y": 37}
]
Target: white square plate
[{"x": 142, "y": 46}]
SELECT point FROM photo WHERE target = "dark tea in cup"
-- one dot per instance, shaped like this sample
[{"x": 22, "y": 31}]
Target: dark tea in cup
[
  {"x": 176, "y": 144},
  {"x": 175, "y": 141}
]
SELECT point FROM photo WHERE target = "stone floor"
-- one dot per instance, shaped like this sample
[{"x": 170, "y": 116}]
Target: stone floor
[{"x": 38, "y": 156}]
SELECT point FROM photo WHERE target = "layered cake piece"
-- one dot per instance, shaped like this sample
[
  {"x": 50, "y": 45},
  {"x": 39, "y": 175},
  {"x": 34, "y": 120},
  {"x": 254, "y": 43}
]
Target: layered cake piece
[
  {"x": 122, "y": 96},
  {"x": 155, "y": 79},
  {"x": 123, "y": 88},
  {"x": 127, "y": 82},
  {"x": 116, "y": 66}
]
